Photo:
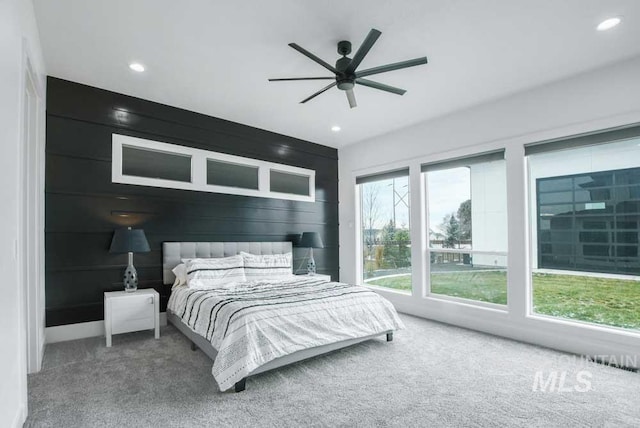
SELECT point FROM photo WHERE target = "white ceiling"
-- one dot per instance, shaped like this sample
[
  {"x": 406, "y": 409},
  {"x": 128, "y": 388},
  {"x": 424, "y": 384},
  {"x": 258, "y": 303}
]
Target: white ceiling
[{"x": 214, "y": 57}]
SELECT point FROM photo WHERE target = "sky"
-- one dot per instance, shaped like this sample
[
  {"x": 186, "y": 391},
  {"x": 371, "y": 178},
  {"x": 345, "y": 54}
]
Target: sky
[
  {"x": 385, "y": 201},
  {"x": 447, "y": 189}
]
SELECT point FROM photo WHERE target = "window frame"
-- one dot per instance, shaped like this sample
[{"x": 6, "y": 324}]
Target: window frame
[{"x": 199, "y": 160}]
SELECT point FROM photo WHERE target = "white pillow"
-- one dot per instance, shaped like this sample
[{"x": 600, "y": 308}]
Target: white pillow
[
  {"x": 180, "y": 272},
  {"x": 218, "y": 272},
  {"x": 267, "y": 266}
]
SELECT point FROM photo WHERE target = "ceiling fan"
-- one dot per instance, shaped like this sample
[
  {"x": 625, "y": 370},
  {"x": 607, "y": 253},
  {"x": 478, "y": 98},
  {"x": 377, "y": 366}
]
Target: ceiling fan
[{"x": 346, "y": 73}]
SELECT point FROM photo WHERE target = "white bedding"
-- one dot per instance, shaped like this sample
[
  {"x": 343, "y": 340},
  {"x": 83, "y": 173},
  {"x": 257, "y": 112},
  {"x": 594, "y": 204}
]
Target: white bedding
[{"x": 256, "y": 322}]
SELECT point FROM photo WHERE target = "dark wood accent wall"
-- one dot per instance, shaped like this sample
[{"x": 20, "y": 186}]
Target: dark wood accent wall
[{"x": 83, "y": 206}]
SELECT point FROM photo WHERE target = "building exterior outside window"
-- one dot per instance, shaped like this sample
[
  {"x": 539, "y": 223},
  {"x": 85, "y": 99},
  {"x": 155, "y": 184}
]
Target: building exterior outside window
[{"x": 590, "y": 222}]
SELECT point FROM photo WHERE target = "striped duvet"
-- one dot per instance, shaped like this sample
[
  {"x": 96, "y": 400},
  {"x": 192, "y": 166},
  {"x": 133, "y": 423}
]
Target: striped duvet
[{"x": 252, "y": 324}]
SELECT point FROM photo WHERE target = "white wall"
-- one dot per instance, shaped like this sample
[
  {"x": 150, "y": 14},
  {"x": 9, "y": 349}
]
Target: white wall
[
  {"x": 17, "y": 30},
  {"x": 591, "y": 101}
]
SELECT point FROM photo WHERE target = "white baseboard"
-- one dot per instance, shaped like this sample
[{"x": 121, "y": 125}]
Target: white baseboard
[
  {"x": 43, "y": 343},
  {"x": 21, "y": 417},
  {"x": 63, "y": 333}
]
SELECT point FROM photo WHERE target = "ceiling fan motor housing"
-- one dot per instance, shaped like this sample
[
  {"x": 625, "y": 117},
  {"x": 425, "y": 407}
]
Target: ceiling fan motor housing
[{"x": 344, "y": 81}]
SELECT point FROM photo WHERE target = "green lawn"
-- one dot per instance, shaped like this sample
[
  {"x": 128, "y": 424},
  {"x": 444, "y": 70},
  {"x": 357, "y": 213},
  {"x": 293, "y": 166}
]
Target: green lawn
[
  {"x": 613, "y": 302},
  {"x": 397, "y": 282}
]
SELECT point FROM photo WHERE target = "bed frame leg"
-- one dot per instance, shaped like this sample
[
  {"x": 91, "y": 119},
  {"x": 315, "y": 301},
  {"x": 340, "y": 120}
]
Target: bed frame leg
[
  {"x": 193, "y": 347},
  {"x": 240, "y": 385},
  {"x": 390, "y": 337}
]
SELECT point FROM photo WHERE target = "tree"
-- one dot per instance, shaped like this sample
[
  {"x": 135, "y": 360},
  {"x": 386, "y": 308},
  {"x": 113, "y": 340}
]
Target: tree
[
  {"x": 397, "y": 251},
  {"x": 370, "y": 217},
  {"x": 388, "y": 237},
  {"x": 389, "y": 232},
  {"x": 451, "y": 227},
  {"x": 404, "y": 250},
  {"x": 464, "y": 218},
  {"x": 370, "y": 212}
]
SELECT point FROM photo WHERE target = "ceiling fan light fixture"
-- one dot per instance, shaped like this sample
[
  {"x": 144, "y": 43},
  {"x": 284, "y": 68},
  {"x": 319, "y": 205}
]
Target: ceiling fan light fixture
[
  {"x": 335, "y": 128},
  {"x": 346, "y": 84},
  {"x": 608, "y": 24}
]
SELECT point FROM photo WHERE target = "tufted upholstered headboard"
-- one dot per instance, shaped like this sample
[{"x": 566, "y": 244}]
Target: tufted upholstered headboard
[{"x": 173, "y": 252}]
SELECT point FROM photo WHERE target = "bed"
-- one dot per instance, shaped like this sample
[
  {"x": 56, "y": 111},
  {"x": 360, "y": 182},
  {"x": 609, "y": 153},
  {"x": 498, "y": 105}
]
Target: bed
[{"x": 265, "y": 325}]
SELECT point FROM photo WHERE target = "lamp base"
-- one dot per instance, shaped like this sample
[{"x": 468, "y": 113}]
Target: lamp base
[
  {"x": 311, "y": 265},
  {"x": 130, "y": 279}
]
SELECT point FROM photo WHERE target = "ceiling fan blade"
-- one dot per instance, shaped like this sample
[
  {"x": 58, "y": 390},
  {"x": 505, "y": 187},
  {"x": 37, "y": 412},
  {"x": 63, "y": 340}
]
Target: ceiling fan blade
[
  {"x": 313, "y": 58},
  {"x": 381, "y": 86},
  {"x": 363, "y": 50},
  {"x": 391, "y": 67},
  {"x": 326, "y": 88},
  {"x": 301, "y": 78},
  {"x": 352, "y": 98}
]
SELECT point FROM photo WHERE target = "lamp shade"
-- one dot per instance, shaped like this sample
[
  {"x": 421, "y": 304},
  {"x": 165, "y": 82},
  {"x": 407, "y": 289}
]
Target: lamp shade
[
  {"x": 129, "y": 241},
  {"x": 311, "y": 240}
]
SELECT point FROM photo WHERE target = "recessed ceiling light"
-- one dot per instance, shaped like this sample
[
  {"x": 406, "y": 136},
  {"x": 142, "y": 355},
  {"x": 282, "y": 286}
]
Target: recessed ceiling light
[
  {"x": 335, "y": 128},
  {"x": 608, "y": 24},
  {"x": 136, "y": 66}
]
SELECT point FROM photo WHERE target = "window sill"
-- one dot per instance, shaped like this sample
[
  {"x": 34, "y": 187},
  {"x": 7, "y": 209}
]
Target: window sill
[
  {"x": 441, "y": 298},
  {"x": 387, "y": 289},
  {"x": 600, "y": 328}
]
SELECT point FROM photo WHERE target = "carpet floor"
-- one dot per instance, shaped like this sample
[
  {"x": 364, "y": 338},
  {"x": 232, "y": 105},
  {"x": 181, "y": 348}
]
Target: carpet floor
[{"x": 430, "y": 375}]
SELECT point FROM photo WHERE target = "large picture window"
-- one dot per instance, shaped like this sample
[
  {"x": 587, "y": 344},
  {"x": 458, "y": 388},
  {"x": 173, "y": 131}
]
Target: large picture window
[
  {"x": 385, "y": 230},
  {"x": 467, "y": 213},
  {"x": 585, "y": 221}
]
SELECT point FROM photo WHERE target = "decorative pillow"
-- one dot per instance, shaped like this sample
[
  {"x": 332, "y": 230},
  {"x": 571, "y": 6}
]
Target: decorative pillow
[
  {"x": 267, "y": 266},
  {"x": 180, "y": 272},
  {"x": 218, "y": 272}
]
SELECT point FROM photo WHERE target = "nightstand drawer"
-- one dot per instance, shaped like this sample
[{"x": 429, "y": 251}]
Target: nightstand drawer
[
  {"x": 132, "y": 314},
  {"x": 132, "y": 325}
]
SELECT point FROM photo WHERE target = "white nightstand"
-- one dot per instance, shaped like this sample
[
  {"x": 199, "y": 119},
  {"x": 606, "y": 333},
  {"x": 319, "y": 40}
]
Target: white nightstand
[
  {"x": 319, "y": 276},
  {"x": 131, "y": 311}
]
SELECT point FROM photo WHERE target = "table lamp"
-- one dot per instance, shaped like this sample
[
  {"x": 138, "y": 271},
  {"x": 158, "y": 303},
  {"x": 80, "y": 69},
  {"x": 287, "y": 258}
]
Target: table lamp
[
  {"x": 129, "y": 241},
  {"x": 311, "y": 240}
]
